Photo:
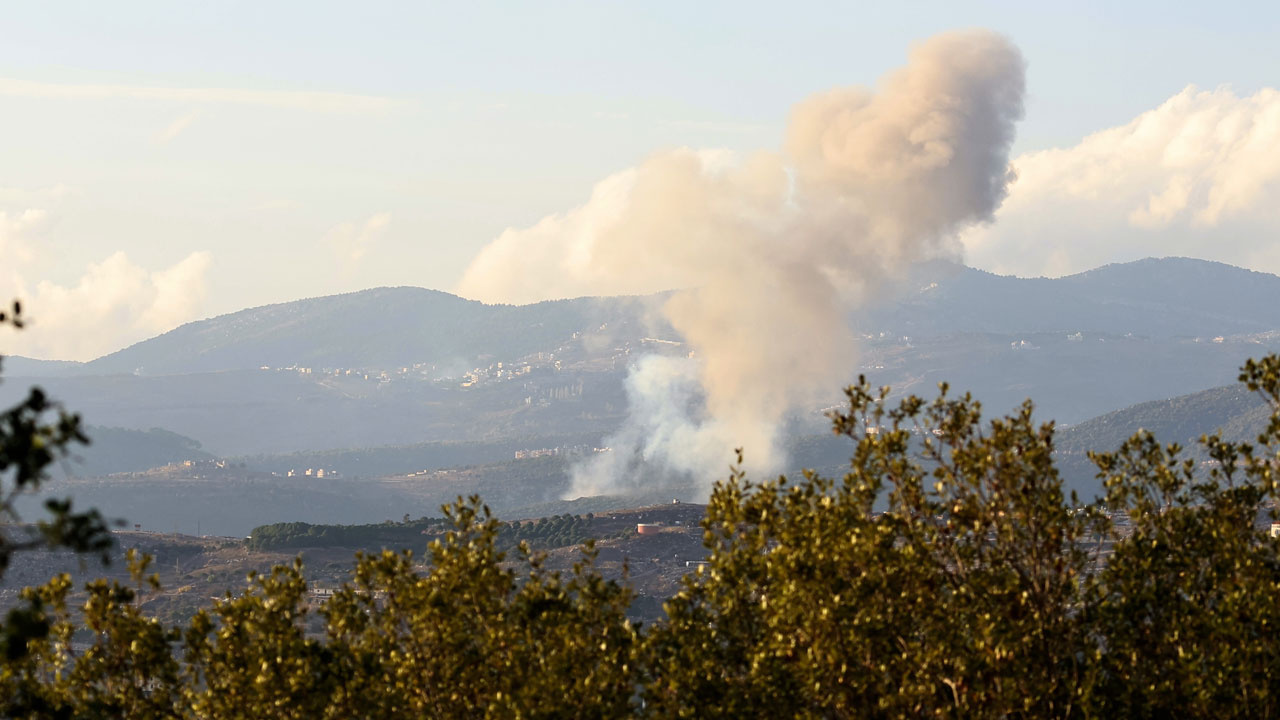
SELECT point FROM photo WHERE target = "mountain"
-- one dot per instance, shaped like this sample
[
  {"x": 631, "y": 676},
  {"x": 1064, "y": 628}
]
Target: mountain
[
  {"x": 1080, "y": 346},
  {"x": 378, "y": 328},
  {"x": 117, "y": 450},
  {"x": 1240, "y": 415},
  {"x": 16, "y": 365},
  {"x": 1164, "y": 297},
  {"x": 388, "y": 327},
  {"x": 386, "y": 383},
  {"x": 1233, "y": 409}
]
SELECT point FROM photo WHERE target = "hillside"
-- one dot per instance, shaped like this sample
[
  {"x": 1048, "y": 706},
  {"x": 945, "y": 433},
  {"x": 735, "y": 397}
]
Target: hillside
[
  {"x": 1239, "y": 414},
  {"x": 378, "y": 328},
  {"x": 1156, "y": 297},
  {"x": 389, "y": 327},
  {"x": 117, "y": 450},
  {"x": 418, "y": 380}
]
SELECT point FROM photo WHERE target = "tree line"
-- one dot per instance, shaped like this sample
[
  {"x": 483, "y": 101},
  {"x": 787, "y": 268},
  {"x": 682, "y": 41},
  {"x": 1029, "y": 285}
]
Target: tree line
[{"x": 544, "y": 533}]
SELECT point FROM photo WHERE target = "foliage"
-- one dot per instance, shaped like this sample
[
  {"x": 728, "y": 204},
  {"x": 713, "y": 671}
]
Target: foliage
[
  {"x": 470, "y": 637},
  {"x": 544, "y": 534},
  {"x": 947, "y": 574},
  {"x": 35, "y": 434},
  {"x": 959, "y": 599},
  {"x": 282, "y": 536},
  {"x": 549, "y": 532},
  {"x": 983, "y": 590}
]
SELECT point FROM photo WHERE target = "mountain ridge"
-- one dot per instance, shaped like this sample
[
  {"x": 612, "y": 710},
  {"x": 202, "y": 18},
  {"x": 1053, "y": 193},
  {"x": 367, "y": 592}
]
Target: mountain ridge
[{"x": 397, "y": 325}]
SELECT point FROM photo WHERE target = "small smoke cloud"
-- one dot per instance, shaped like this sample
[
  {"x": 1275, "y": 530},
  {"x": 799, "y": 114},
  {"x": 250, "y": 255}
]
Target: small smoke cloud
[
  {"x": 176, "y": 128},
  {"x": 114, "y": 303},
  {"x": 1199, "y": 175},
  {"x": 768, "y": 253},
  {"x": 353, "y": 241}
]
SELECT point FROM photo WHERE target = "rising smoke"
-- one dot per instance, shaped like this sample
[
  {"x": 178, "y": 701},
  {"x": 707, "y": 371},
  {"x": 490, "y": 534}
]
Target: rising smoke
[{"x": 772, "y": 252}]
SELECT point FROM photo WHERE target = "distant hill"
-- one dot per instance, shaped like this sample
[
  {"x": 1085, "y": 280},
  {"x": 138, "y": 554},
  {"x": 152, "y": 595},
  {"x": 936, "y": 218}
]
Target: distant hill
[
  {"x": 405, "y": 459},
  {"x": 116, "y": 450},
  {"x": 16, "y": 365},
  {"x": 1239, "y": 414},
  {"x": 1164, "y": 297},
  {"x": 1080, "y": 346},
  {"x": 382, "y": 327},
  {"x": 386, "y": 327}
]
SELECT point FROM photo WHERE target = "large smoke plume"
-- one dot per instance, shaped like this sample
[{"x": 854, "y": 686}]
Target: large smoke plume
[{"x": 770, "y": 253}]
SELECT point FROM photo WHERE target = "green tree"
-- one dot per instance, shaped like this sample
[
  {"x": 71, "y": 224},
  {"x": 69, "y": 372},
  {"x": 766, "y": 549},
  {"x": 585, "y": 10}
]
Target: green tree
[
  {"x": 34, "y": 434},
  {"x": 958, "y": 599},
  {"x": 472, "y": 638},
  {"x": 1187, "y": 602}
]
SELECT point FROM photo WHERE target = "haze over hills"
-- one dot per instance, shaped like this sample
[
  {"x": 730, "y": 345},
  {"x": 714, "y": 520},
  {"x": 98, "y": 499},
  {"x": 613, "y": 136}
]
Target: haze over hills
[
  {"x": 378, "y": 328},
  {"x": 401, "y": 380},
  {"x": 385, "y": 327},
  {"x": 1238, "y": 414},
  {"x": 1168, "y": 297},
  {"x": 388, "y": 366}
]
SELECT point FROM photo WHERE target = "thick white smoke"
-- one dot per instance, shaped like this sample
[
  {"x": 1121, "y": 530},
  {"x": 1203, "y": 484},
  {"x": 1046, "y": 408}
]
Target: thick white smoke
[{"x": 771, "y": 252}]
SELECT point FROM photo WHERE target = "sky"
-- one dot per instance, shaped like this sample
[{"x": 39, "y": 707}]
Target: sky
[{"x": 166, "y": 161}]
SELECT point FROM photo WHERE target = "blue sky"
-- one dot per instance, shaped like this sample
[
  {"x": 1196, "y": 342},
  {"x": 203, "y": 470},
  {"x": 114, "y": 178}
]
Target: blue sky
[{"x": 284, "y": 150}]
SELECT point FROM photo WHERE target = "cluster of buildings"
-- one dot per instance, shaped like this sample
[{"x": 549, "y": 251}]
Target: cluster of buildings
[
  {"x": 362, "y": 374},
  {"x": 444, "y": 375},
  {"x": 571, "y": 450},
  {"x": 314, "y": 472},
  {"x": 502, "y": 372}
]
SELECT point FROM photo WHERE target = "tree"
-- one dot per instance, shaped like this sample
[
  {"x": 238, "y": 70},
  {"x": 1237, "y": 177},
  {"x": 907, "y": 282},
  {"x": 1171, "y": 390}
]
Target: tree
[
  {"x": 980, "y": 589},
  {"x": 34, "y": 434},
  {"x": 957, "y": 599}
]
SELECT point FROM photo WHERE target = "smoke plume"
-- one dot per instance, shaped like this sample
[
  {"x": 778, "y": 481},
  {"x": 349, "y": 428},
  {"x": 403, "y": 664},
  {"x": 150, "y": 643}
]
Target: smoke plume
[{"x": 770, "y": 252}]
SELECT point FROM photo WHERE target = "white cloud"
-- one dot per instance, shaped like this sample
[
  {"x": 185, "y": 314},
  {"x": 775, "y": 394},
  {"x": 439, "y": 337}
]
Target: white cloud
[
  {"x": 115, "y": 303},
  {"x": 176, "y": 127},
  {"x": 1197, "y": 176},
  {"x": 15, "y": 231},
  {"x": 352, "y": 241},
  {"x": 296, "y": 100}
]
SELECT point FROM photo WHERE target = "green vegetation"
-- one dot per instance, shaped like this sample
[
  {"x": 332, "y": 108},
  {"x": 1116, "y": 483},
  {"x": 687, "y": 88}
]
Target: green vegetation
[
  {"x": 282, "y": 536},
  {"x": 547, "y": 533},
  {"x": 983, "y": 589},
  {"x": 35, "y": 434},
  {"x": 544, "y": 533}
]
